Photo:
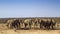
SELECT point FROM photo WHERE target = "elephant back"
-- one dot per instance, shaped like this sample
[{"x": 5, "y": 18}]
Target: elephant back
[{"x": 27, "y": 20}]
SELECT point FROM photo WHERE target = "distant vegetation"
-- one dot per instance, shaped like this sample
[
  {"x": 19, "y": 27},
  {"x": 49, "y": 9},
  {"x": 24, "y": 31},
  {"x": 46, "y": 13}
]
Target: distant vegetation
[{"x": 3, "y": 20}]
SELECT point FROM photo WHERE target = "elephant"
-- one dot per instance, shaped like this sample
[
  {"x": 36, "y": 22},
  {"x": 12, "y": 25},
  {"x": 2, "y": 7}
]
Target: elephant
[
  {"x": 27, "y": 22},
  {"x": 21, "y": 22},
  {"x": 35, "y": 21},
  {"x": 53, "y": 23},
  {"x": 8, "y": 24},
  {"x": 16, "y": 24},
  {"x": 13, "y": 23},
  {"x": 47, "y": 24}
]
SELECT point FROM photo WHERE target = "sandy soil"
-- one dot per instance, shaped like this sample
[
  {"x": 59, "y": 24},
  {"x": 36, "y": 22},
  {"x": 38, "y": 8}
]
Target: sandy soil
[
  {"x": 4, "y": 30},
  {"x": 30, "y": 32}
]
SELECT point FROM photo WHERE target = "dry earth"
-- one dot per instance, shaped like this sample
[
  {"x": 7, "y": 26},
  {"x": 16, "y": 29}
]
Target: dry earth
[{"x": 4, "y": 30}]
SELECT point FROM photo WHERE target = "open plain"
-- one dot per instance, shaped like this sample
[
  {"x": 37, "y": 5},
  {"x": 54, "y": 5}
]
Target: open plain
[{"x": 5, "y": 30}]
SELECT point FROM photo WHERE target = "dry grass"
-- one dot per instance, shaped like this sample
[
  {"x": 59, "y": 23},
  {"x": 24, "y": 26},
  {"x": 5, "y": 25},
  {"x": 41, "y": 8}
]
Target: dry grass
[
  {"x": 30, "y": 32},
  {"x": 4, "y": 30}
]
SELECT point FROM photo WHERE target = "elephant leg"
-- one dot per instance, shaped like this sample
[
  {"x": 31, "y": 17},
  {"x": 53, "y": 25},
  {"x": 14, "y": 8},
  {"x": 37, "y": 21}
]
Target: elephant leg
[
  {"x": 18, "y": 26},
  {"x": 52, "y": 27},
  {"x": 14, "y": 26},
  {"x": 22, "y": 24},
  {"x": 30, "y": 26},
  {"x": 48, "y": 27},
  {"x": 35, "y": 25},
  {"x": 10, "y": 26},
  {"x": 45, "y": 27},
  {"x": 40, "y": 26},
  {"x": 7, "y": 25},
  {"x": 25, "y": 25}
]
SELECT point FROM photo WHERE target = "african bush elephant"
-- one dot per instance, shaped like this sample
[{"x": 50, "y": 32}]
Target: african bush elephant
[
  {"x": 13, "y": 23},
  {"x": 53, "y": 23},
  {"x": 35, "y": 21},
  {"x": 9, "y": 23},
  {"x": 47, "y": 24},
  {"x": 21, "y": 22},
  {"x": 27, "y": 22},
  {"x": 16, "y": 24}
]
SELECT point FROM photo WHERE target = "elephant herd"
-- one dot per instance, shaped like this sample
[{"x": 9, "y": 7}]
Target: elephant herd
[{"x": 31, "y": 23}]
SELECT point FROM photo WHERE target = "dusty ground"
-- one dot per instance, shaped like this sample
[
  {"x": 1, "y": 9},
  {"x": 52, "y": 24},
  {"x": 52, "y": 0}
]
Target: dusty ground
[{"x": 4, "y": 30}]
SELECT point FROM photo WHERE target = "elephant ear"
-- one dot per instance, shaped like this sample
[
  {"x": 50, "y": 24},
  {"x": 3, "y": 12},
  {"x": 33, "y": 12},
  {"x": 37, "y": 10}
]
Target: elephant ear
[
  {"x": 44, "y": 20},
  {"x": 27, "y": 20},
  {"x": 53, "y": 21},
  {"x": 36, "y": 19},
  {"x": 9, "y": 22},
  {"x": 39, "y": 20}
]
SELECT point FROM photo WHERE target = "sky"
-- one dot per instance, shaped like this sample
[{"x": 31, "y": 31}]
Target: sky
[{"x": 29, "y": 8}]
